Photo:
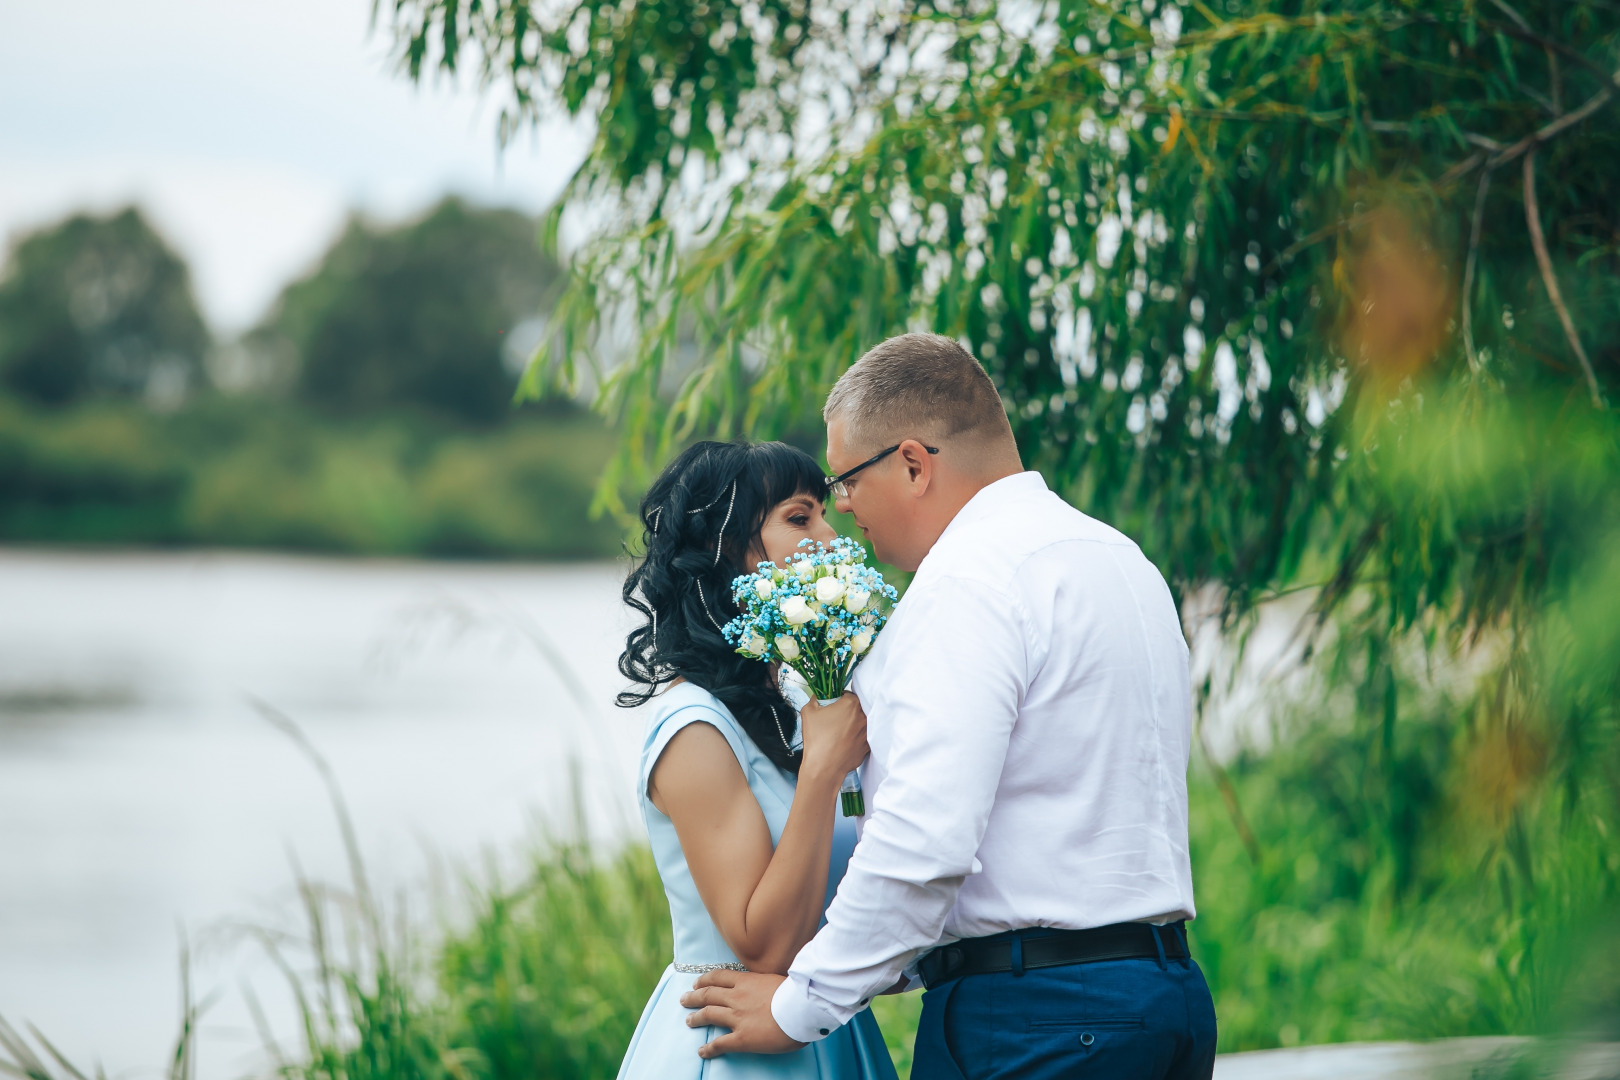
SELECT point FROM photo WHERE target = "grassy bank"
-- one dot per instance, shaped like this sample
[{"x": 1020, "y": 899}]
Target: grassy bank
[
  {"x": 263, "y": 473},
  {"x": 1318, "y": 941}
]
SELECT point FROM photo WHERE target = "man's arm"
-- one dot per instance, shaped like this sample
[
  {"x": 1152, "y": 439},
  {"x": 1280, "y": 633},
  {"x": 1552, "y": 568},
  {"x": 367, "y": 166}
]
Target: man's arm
[{"x": 952, "y": 693}]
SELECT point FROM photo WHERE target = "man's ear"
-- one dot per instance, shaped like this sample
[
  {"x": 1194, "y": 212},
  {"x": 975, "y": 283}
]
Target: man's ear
[{"x": 919, "y": 465}]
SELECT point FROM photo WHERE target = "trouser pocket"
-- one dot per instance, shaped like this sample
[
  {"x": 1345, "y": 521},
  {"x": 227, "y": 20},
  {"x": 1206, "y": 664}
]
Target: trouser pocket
[
  {"x": 932, "y": 1056},
  {"x": 1101, "y": 1023}
]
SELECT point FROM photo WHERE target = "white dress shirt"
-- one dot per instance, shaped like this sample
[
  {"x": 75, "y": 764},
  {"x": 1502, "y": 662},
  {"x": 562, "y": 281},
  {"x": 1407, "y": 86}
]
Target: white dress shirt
[{"x": 1029, "y": 712}]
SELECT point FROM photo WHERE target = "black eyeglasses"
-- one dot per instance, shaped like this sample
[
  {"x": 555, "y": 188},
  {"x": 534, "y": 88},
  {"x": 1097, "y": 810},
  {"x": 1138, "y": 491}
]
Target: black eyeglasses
[{"x": 835, "y": 484}]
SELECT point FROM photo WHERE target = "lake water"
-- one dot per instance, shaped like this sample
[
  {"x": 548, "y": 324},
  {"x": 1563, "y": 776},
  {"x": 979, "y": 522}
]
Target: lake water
[{"x": 142, "y": 792}]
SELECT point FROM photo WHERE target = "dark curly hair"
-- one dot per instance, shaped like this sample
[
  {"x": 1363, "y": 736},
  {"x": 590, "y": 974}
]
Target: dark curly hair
[{"x": 700, "y": 519}]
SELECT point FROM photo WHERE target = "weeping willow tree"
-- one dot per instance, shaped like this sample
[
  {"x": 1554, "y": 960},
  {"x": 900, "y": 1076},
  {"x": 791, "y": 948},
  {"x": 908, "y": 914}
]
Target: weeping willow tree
[{"x": 1320, "y": 294}]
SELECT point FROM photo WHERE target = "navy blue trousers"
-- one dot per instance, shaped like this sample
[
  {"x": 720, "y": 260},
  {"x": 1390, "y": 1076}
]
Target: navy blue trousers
[{"x": 1136, "y": 1019}]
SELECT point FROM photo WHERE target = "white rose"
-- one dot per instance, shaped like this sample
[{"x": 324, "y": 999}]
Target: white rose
[
  {"x": 829, "y": 590},
  {"x": 805, "y": 569},
  {"x": 861, "y": 642},
  {"x": 788, "y": 647},
  {"x": 835, "y": 634},
  {"x": 796, "y": 610},
  {"x": 757, "y": 645},
  {"x": 855, "y": 600},
  {"x": 764, "y": 588}
]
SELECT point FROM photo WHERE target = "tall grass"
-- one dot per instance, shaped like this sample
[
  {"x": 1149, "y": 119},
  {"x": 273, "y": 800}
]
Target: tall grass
[
  {"x": 551, "y": 976},
  {"x": 545, "y": 978},
  {"x": 20, "y": 1060}
]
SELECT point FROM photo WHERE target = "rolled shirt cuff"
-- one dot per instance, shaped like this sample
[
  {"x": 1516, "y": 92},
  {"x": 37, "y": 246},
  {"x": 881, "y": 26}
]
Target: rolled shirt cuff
[{"x": 800, "y": 1018}]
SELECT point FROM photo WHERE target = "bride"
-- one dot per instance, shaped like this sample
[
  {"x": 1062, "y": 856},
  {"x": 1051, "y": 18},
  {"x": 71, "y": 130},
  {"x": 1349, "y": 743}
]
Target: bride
[{"x": 738, "y": 795}]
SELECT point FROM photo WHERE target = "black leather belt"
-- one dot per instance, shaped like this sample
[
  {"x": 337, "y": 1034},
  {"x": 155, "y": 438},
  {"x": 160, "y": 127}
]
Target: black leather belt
[{"x": 1037, "y": 947}]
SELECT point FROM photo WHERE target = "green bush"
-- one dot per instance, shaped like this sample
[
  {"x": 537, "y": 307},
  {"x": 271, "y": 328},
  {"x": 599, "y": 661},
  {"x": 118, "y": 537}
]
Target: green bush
[
  {"x": 91, "y": 474},
  {"x": 1316, "y": 943}
]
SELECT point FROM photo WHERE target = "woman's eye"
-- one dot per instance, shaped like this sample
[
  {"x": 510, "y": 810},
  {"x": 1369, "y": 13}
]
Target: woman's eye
[{"x": 799, "y": 520}]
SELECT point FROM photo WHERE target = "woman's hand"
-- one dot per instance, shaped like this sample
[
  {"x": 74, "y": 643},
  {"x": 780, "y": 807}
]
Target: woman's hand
[{"x": 834, "y": 735}]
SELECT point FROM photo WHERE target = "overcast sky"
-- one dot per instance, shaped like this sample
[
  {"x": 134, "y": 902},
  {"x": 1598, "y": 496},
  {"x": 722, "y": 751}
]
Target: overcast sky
[{"x": 247, "y": 129}]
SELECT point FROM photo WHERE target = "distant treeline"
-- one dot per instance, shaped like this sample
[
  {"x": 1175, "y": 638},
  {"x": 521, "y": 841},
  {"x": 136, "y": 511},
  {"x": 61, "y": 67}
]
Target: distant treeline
[
  {"x": 240, "y": 471},
  {"x": 370, "y": 411}
]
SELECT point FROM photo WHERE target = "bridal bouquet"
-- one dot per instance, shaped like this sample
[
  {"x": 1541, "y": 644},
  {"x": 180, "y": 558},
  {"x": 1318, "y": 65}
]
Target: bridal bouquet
[{"x": 819, "y": 615}]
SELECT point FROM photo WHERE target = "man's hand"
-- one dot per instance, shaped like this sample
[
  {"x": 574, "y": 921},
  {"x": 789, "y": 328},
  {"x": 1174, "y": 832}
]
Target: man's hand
[{"x": 741, "y": 1001}]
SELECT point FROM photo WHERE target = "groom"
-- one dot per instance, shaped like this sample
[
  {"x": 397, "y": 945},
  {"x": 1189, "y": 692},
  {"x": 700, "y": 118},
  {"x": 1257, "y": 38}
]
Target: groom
[{"x": 1024, "y": 854}]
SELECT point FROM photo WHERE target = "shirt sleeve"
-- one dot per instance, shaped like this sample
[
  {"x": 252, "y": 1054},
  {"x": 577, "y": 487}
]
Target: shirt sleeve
[{"x": 953, "y": 688}]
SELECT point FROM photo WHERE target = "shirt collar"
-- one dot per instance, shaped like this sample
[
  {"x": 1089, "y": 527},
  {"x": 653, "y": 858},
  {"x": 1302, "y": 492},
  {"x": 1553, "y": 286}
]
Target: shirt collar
[{"x": 993, "y": 498}]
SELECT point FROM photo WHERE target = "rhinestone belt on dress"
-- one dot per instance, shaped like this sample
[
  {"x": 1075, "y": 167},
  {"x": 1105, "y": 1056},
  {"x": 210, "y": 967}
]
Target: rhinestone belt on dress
[{"x": 699, "y": 969}]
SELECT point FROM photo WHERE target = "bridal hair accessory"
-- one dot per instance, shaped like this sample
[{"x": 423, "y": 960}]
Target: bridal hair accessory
[
  {"x": 819, "y": 615},
  {"x": 719, "y": 544},
  {"x": 704, "y": 599},
  {"x": 719, "y": 539}
]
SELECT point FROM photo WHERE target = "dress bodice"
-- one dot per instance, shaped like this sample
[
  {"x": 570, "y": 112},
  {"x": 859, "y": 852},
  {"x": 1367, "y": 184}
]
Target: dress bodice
[
  {"x": 697, "y": 939},
  {"x": 663, "y": 1046}
]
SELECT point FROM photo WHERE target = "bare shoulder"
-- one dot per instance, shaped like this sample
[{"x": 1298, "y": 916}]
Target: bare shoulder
[{"x": 697, "y": 764}]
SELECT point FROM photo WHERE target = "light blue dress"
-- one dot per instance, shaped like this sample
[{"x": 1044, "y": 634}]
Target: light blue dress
[{"x": 663, "y": 1047}]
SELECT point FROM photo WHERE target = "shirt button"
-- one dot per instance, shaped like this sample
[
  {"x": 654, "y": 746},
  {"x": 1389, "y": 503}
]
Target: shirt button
[
  {"x": 1087, "y": 1039},
  {"x": 824, "y": 1031}
]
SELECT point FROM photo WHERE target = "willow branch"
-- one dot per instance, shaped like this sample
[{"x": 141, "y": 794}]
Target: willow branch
[
  {"x": 1532, "y": 213},
  {"x": 1529, "y": 142},
  {"x": 1312, "y": 239},
  {"x": 1541, "y": 135},
  {"x": 1461, "y": 169},
  {"x": 1525, "y": 34}
]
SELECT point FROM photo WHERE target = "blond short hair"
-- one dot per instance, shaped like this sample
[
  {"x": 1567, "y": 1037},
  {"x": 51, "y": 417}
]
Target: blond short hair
[{"x": 913, "y": 386}]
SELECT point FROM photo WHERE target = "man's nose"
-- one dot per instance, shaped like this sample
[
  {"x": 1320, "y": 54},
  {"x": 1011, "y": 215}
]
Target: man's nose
[{"x": 841, "y": 504}]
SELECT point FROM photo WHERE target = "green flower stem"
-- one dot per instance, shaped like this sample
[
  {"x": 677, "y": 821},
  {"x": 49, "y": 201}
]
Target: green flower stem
[{"x": 850, "y": 795}]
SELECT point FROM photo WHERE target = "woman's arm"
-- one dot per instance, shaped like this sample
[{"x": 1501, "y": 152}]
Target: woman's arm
[{"x": 766, "y": 904}]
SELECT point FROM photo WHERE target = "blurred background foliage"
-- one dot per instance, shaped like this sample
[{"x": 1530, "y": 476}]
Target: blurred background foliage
[
  {"x": 415, "y": 316},
  {"x": 370, "y": 412},
  {"x": 99, "y": 306}
]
